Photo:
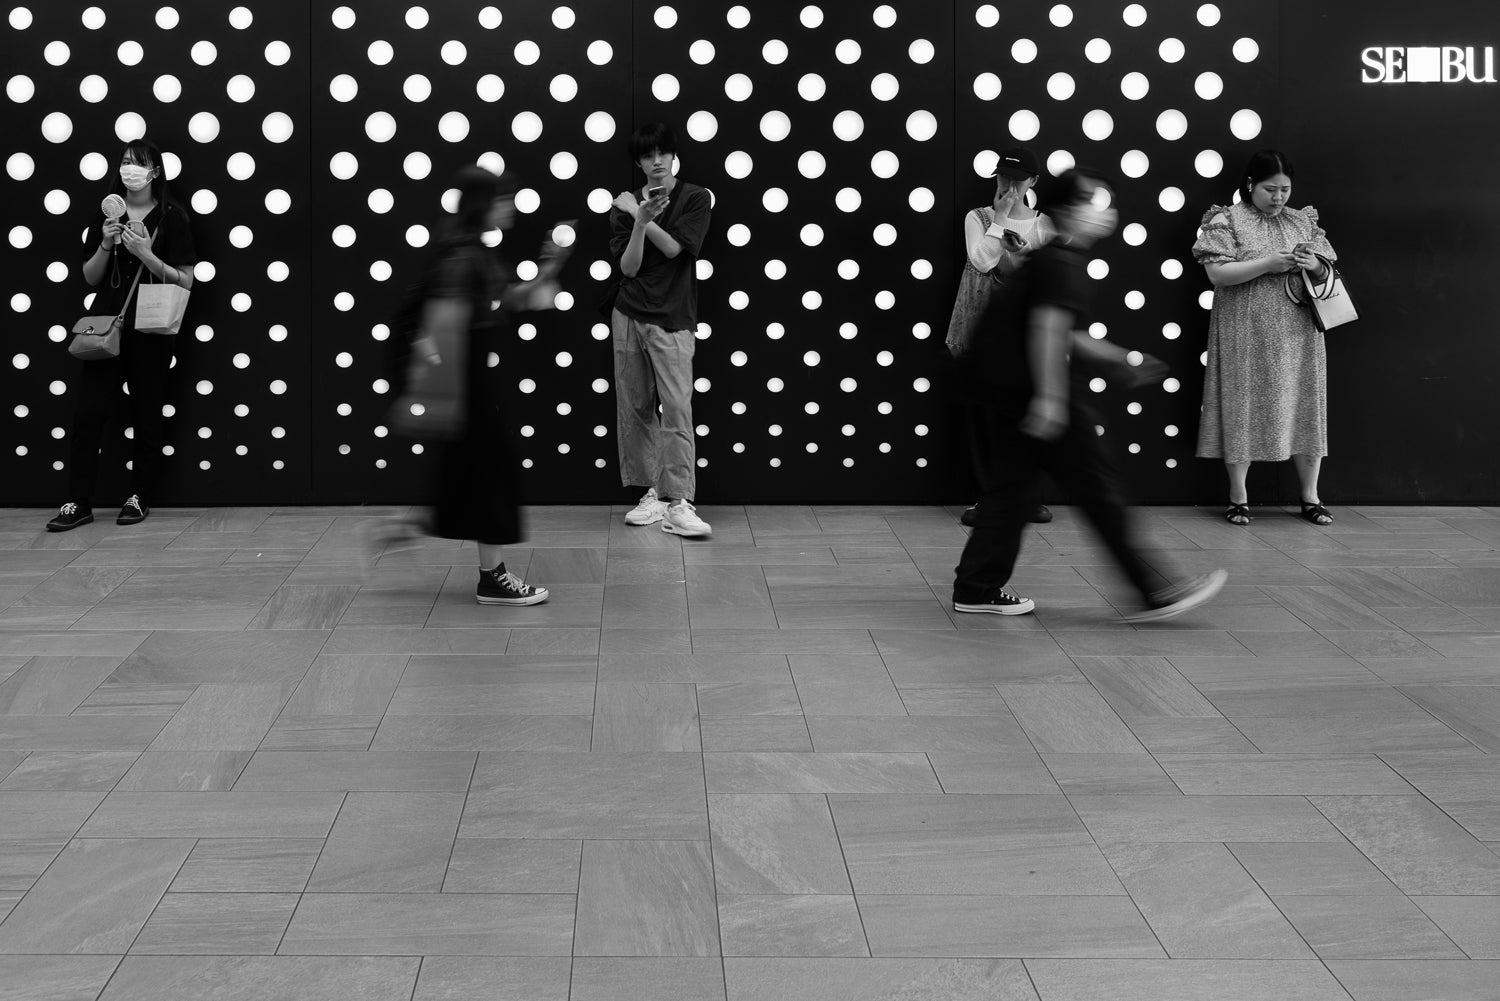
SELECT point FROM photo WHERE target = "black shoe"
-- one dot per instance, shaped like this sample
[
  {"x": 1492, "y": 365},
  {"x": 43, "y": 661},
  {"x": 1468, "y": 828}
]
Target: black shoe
[
  {"x": 1041, "y": 515},
  {"x": 997, "y": 602},
  {"x": 1172, "y": 601},
  {"x": 501, "y": 587},
  {"x": 70, "y": 516},
  {"x": 133, "y": 511},
  {"x": 970, "y": 516}
]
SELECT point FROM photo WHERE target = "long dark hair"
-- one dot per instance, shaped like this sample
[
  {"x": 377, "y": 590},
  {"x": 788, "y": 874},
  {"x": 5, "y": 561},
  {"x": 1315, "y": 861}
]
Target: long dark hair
[
  {"x": 1263, "y": 164},
  {"x": 145, "y": 153},
  {"x": 477, "y": 190}
]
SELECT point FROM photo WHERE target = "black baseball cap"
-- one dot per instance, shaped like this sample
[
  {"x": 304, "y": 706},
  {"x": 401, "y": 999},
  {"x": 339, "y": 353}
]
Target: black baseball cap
[{"x": 1018, "y": 162}]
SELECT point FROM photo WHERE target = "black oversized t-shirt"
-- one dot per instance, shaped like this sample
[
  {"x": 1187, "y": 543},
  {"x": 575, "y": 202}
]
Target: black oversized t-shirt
[
  {"x": 665, "y": 289},
  {"x": 1054, "y": 275},
  {"x": 173, "y": 244}
]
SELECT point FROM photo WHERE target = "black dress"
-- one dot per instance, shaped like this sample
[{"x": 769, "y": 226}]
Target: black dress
[{"x": 475, "y": 492}]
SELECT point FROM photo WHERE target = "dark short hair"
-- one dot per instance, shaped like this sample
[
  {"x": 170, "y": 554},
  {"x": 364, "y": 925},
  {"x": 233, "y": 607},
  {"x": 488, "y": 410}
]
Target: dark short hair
[
  {"x": 1073, "y": 186},
  {"x": 1263, "y": 164},
  {"x": 652, "y": 136},
  {"x": 477, "y": 190}
]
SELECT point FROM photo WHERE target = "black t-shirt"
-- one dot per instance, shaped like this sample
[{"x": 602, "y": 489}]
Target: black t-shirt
[
  {"x": 174, "y": 245},
  {"x": 1054, "y": 275},
  {"x": 665, "y": 289}
]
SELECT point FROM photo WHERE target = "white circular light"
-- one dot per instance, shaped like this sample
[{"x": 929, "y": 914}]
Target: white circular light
[
  {"x": 848, "y": 125},
  {"x": 847, "y": 51},
  {"x": 1023, "y": 50},
  {"x": 885, "y": 234},
  {"x": 526, "y": 126},
  {"x": 203, "y": 127},
  {"x": 738, "y": 165},
  {"x": 203, "y": 53},
  {"x": 811, "y": 234},
  {"x": 454, "y": 52},
  {"x": 701, "y": 125},
  {"x": 1134, "y": 163},
  {"x": 1060, "y": 86},
  {"x": 527, "y": 53},
  {"x": 701, "y": 52},
  {"x": 810, "y": 87},
  {"x": 1208, "y": 163},
  {"x": 278, "y": 53},
  {"x": 1097, "y": 50},
  {"x": 775, "y": 126},
  {"x": 1245, "y": 124},
  {"x": 738, "y": 87},
  {"x": 93, "y": 89},
  {"x": 1246, "y": 49},
  {"x": 600, "y": 52},
  {"x": 20, "y": 89},
  {"x": 884, "y": 164},
  {"x": 204, "y": 201},
  {"x": 1171, "y": 269},
  {"x": 1172, "y": 199},
  {"x": 811, "y": 164},
  {"x": 1134, "y": 234},
  {"x": 1171, "y": 125},
  {"x": 986, "y": 86},
  {"x": 774, "y": 200},
  {"x": 277, "y": 127},
  {"x": 774, "y": 52},
  {"x": 665, "y": 87},
  {"x": 563, "y": 166},
  {"x": 1098, "y": 125},
  {"x": 1134, "y": 15},
  {"x": 738, "y": 234},
  {"x": 1134, "y": 86},
  {"x": 1171, "y": 50},
  {"x": 921, "y": 52},
  {"x": 1059, "y": 161},
  {"x": 454, "y": 126},
  {"x": 1024, "y": 125},
  {"x": 1209, "y": 85},
  {"x": 490, "y": 88},
  {"x": 884, "y": 86},
  {"x": 847, "y": 199},
  {"x": 57, "y": 127},
  {"x": 921, "y": 125}
]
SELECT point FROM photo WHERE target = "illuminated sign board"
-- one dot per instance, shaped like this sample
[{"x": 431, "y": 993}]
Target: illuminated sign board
[{"x": 1428, "y": 64}]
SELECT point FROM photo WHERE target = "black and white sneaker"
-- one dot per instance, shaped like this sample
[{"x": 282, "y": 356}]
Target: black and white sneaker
[
  {"x": 501, "y": 587},
  {"x": 70, "y": 516},
  {"x": 133, "y": 511},
  {"x": 1173, "y": 600},
  {"x": 997, "y": 602}
]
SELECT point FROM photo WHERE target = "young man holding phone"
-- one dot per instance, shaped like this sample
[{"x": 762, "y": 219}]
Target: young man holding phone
[{"x": 656, "y": 232}]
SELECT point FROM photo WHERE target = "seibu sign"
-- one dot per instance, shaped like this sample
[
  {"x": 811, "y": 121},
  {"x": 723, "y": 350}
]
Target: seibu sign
[{"x": 1428, "y": 64}]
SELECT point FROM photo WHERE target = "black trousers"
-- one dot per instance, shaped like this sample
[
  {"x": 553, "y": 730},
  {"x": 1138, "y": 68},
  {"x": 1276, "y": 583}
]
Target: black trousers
[
  {"x": 1010, "y": 465},
  {"x": 144, "y": 364}
]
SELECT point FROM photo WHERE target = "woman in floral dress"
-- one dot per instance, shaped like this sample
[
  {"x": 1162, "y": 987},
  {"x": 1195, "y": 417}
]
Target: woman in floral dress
[{"x": 1265, "y": 391}]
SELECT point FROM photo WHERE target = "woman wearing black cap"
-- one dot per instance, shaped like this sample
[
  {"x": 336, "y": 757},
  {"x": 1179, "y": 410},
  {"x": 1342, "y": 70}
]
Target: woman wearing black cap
[{"x": 998, "y": 236}]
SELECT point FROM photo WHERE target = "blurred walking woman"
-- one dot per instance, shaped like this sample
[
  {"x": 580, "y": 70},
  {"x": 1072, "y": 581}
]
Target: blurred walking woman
[
  {"x": 1265, "y": 391},
  {"x": 155, "y": 234}
]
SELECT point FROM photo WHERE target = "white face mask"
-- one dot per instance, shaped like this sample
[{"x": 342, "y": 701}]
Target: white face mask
[{"x": 135, "y": 177}]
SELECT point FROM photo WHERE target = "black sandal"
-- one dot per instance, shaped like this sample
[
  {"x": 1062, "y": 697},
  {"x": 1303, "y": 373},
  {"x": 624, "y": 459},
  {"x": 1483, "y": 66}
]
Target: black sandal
[
  {"x": 1237, "y": 514},
  {"x": 1316, "y": 513}
]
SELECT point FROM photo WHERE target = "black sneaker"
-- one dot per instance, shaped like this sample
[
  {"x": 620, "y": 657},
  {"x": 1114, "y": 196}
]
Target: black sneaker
[
  {"x": 70, "y": 516},
  {"x": 501, "y": 587},
  {"x": 133, "y": 511},
  {"x": 1173, "y": 600},
  {"x": 1041, "y": 515},
  {"x": 997, "y": 602},
  {"x": 970, "y": 517}
]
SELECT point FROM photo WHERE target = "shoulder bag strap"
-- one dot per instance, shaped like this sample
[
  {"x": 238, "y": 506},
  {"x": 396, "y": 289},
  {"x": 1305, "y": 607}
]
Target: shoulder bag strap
[{"x": 131, "y": 294}]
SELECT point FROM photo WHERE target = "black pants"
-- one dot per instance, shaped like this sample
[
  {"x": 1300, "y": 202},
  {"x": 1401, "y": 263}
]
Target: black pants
[
  {"x": 144, "y": 363},
  {"x": 1010, "y": 467}
]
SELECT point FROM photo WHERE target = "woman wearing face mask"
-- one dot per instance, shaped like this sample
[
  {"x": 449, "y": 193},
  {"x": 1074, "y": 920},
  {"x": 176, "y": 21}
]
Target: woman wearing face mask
[
  {"x": 115, "y": 249},
  {"x": 998, "y": 238},
  {"x": 1265, "y": 390}
]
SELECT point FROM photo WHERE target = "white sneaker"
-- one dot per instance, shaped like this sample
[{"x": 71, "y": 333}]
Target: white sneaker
[
  {"x": 1173, "y": 600},
  {"x": 650, "y": 510},
  {"x": 682, "y": 519}
]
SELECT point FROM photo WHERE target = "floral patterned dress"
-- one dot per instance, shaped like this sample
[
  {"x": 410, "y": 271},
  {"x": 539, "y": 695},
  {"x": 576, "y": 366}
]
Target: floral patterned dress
[{"x": 1265, "y": 391}]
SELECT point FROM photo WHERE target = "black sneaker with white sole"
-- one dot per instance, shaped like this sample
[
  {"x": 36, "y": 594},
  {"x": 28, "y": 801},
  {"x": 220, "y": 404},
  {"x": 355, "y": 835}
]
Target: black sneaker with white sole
[
  {"x": 133, "y": 511},
  {"x": 1173, "y": 600},
  {"x": 70, "y": 516},
  {"x": 997, "y": 602},
  {"x": 501, "y": 587}
]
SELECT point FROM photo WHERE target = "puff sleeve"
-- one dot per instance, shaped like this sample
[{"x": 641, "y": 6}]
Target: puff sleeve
[
  {"x": 1216, "y": 243},
  {"x": 1319, "y": 237}
]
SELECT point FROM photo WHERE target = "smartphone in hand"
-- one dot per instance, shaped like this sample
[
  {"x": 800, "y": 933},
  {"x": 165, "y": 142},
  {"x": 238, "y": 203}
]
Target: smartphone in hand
[{"x": 655, "y": 192}]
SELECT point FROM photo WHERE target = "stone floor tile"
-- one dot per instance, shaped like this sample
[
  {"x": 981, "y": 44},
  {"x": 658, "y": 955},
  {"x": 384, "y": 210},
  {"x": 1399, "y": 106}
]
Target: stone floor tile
[
  {"x": 1417, "y": 979},
  {"x": 978, "y": 772},
  {"x": 438, "y": 924},
  {"x": 1183, "y": 980},
  {"x": 1109, "y": 775},
  {"x": 361, "y": 771},
  {"x": 755, "y": 733},
  {"x": 53, "y": 686},
  {"x": 950, "y": 658},
  {"x": 389, "y": 842},
  {"x": 831, "y": 685},
  {"x": 773, "y": 772},
  {"x": 82, "y": 732},
  {"x": 482, "y": 732},
  {"x": 1202, "y": 904},
  {"x": 747, "y": 698},
  {"x": 807, "y": 925},
  {"x": 1068, "y": 719},
  {"x": 55, "y": 978},
  {"x": 255, "y": 978},
  {"x": 248, "y": 865},
  {"x": 69, "y": 771},
  {"x": 1473, "y": 923},
  {"x": 255, "y": 657},
  {"x": 216, "y": 924},
  {"x": 1419, "y": 847},
  {"x": 346, "y": 685},
  {"x": 1005, "y": 926},
  {"x": 868, "y": 734},
  {"x": 1166, "y": 819},
  {"x": 1383, "y": 926},
  {"x": 1144, "y": 687},
  {"x": 769, "y": 844},
  {"x": 220, "y": 717},
  {"x": 95, "y": 897},
  {"x": 877, "y": 980},
  {"x": 631, "y": 716},
  {"x": 214, "y": 815},
  {"x": 646, "y": 898},
  {"x": 1472, "y": 711},
  {"x": 474, "y": 978},
  {"x": 1283, "y": 775},
  {"x": 28, "y": 815},
  {"x": 661, "y": 979},
  {"x": 513, "y": 865},
  {"x": 1285, "y": 869}
]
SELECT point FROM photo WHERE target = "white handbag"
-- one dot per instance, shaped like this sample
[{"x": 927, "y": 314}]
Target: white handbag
[
  {"x": 1330, "y": 302},
  {"x": 159, "y": 307}
]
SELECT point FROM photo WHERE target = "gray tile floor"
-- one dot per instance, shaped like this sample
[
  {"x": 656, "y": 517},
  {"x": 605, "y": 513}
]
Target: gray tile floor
[{"x": 240, "y": 757}]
